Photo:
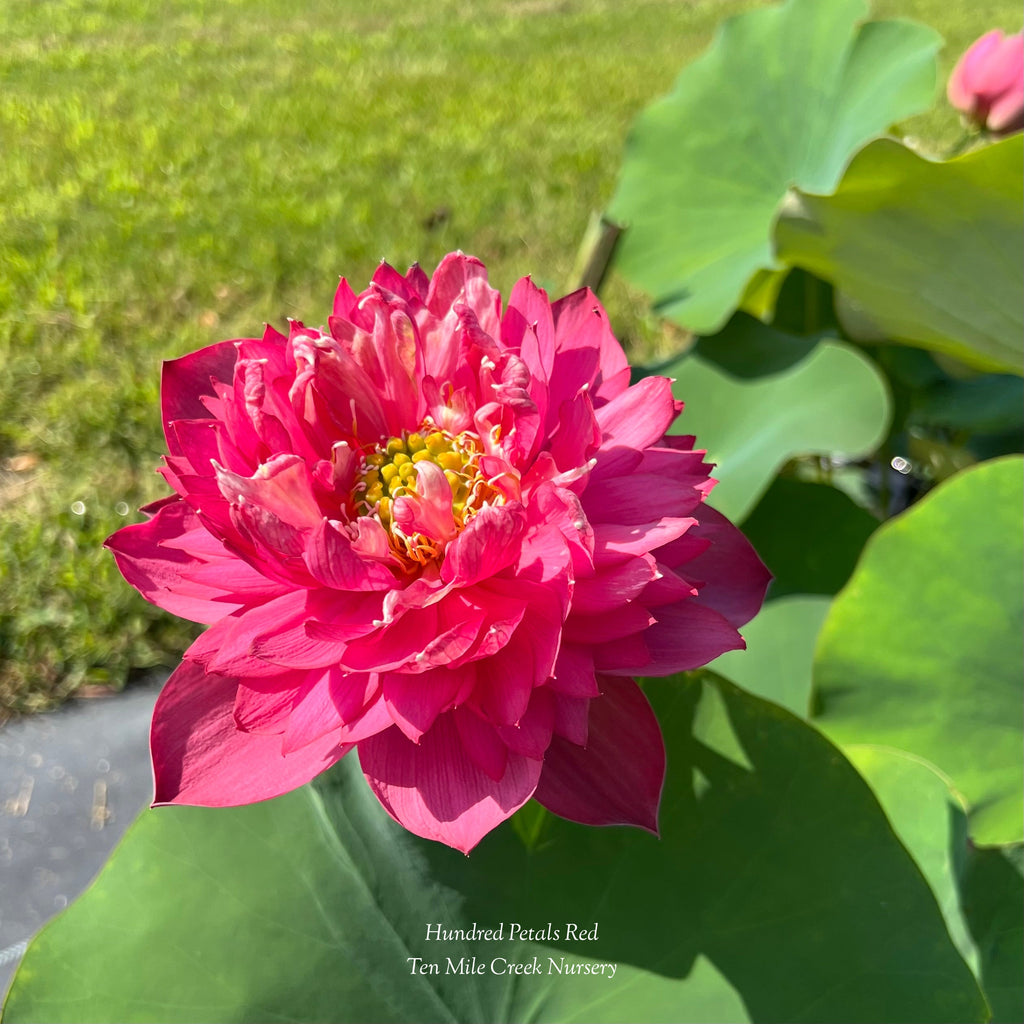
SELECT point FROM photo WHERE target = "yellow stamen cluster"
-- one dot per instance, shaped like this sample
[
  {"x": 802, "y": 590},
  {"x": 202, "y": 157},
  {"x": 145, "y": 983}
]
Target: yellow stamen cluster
[{"x": 390, "y": 472}]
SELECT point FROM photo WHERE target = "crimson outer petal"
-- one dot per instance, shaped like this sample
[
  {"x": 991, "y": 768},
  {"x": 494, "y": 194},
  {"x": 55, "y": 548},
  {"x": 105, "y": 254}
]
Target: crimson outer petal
[
  {"x": 436, "y": 790},
  {"x": 201, "y": 757},
  {"x": 497, "y": 667},
  {"x": 176, "y": 565},
  {"x": 616, "y": 779}
]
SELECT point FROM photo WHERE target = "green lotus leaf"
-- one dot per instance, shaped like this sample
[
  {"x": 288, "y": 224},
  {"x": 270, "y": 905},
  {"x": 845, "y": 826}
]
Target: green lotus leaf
[
  {"x": 745, "y": 347},
  {"x": 783, "y": 97},
  {"x": 925, "y": 253},
  {"x": 809, "y": 535},
  {"x": 991, "y": 893},
  {"x": 921, "y": 651},
  {"x": 832, "y": 402},
  {"x": 777, "y": 661},
  {"x": 979, "y": 889},
  {"x": 775, "y": 890}
]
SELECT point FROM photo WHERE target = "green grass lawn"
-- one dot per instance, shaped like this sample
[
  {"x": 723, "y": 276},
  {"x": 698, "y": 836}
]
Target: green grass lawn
[{"x": 175, "y": 173}]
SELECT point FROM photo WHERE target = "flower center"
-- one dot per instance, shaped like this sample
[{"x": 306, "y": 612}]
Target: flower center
[{"x": 389, "y": 473}]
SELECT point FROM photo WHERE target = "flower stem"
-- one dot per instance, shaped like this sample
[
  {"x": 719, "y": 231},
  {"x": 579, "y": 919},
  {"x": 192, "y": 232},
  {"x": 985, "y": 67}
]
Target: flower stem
[{"x": 967, "y": 139}]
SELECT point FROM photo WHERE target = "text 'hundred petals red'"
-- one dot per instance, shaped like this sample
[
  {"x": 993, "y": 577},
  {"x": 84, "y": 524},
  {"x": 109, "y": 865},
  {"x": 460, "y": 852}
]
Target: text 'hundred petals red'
[{"x": 441, "y": 532}]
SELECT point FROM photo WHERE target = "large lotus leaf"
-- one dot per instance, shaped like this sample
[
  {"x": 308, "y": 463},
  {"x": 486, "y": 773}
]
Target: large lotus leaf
[
  {"x": 777, "y": 661},
  {"x": 992, "y": 403},
  {"x": 991, "y": 894},
  {"x": 777, "y": 891},
  {"x": 784, "y": 96},
  {"x": 921, "y": 651},
  {"x": 927, "y": 253},
  {"x": 833, "y": 402},
  {"x": 809, "y": 535},
  {"x": 979, "y": 889},
  {"x": 930, "y": 822},
  {"x": 745, "y": 347}
]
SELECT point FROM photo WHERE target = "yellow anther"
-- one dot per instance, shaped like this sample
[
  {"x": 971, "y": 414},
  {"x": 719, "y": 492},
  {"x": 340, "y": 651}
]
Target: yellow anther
[
  {"x": 390, "y": 470},
  {"x": 437, "y": 443}
]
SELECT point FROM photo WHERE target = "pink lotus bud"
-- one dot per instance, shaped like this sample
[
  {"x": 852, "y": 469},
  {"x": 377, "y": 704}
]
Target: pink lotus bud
[{"x": 987, "y": 85}]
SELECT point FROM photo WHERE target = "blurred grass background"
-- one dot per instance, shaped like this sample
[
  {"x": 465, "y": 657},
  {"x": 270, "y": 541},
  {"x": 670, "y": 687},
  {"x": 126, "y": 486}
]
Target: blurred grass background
[{"x": 178, "y": 172}]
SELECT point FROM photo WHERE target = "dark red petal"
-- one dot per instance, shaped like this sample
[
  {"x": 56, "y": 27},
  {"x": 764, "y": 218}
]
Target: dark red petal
[
  {"x": 669, "y": 588},
  {"x": 184, "y": 382},
  {"x": 638, "y": 498},
  {"x": 571, "y": 717},
  {"x": 613, "y": 585},
  {"x": 609, "y": 625},
  {"x": 626, "y": 657},
  {"x": 686, "y": 635},
  {"x": 614, "y": 542},
  {"x": 617, "y": 778},
  {"x": 531, "y": 735},
  {"x": 574, "y": 672},
  {"x": 734, "y": 578}
]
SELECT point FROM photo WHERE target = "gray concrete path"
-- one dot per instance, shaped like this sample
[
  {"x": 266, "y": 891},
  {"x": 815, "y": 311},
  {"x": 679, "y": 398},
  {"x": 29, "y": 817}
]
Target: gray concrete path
[{"x": 71, "y": 782}]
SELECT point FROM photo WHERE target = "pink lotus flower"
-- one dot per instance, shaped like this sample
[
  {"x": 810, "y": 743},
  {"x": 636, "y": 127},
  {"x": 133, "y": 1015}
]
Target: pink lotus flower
[
  {"x": 987, "y": 84},
  {"x": 440, "y": 534}
]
